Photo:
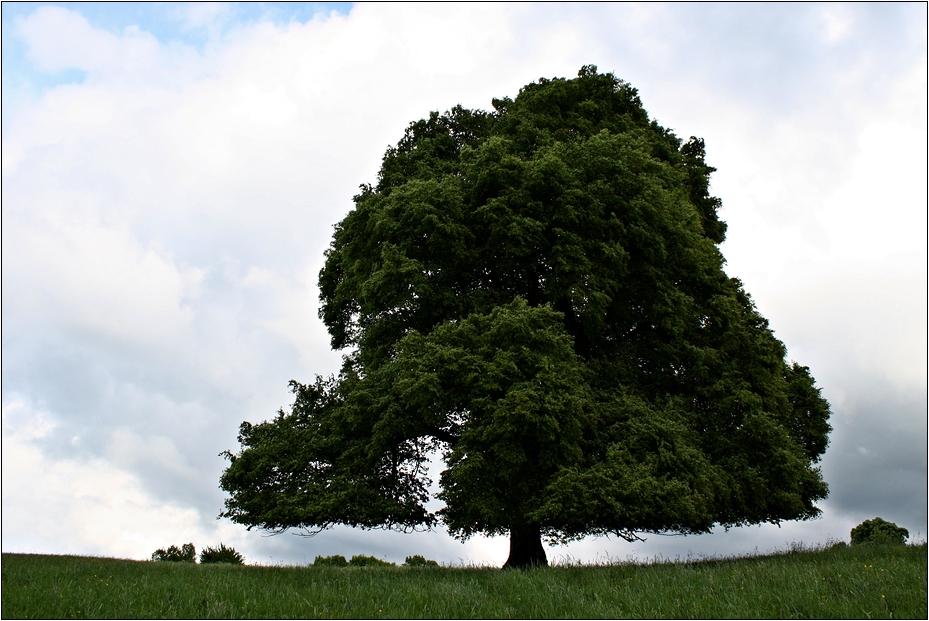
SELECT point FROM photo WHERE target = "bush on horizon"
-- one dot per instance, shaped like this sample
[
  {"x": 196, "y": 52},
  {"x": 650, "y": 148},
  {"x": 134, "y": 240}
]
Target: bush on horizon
[
  {"x": 185, "y": 554},
  {"x": 879, "y": 530},
  {"x": 418, "y": 560},
  {"x": 336, "y": 560},
  {"x": 222, "y": 554},
  {"x": 360, "y": 560}
]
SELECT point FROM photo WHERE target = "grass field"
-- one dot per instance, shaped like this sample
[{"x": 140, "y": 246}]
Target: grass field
[{"x": 838, "y": 582}]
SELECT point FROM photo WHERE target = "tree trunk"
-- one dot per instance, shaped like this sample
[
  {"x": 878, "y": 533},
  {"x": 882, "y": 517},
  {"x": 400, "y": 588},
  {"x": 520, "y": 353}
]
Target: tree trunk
[{"x": 526, "y": 548}]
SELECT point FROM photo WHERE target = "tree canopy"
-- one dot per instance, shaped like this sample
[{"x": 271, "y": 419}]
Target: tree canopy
[{"x": 538, "y": 293}]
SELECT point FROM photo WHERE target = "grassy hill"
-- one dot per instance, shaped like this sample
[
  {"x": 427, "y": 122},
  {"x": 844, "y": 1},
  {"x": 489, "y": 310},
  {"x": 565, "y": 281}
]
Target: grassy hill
[{"x": 838, "y": 582}]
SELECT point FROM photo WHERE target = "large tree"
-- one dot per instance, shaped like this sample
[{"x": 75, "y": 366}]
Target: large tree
[{"x": 538, "y": 293}]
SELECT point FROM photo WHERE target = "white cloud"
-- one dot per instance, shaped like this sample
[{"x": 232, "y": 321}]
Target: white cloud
[
  {"x": 60, "y": 39},
  {"x": 879, "y": 210},
  {"x": 128, "y": 450},
  {"x": 840, "y": 265},
  {"x": 22, "y": 422},
  {"x": 293, "y": 298},
  {"x": 203, "y": 14},
  {"x": 839, "y": 23},
  {"x": 85, "y": 276},
  {"x": 62, "y": 506}
]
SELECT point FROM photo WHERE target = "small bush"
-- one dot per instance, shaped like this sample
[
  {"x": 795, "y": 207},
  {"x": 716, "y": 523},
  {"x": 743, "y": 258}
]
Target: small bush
[
  {"x": 186, "y": 554},
  {"x": 419, "y": 561},
  {"x": 222, "y": 554},
  {"x": 330, "y": 561},
  {"x": 879, "y": 531},
  {"x": 360, "y": 560}
]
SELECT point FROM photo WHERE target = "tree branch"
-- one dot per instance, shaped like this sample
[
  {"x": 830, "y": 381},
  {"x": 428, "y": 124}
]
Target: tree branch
[{"x": 443, "y": 436}]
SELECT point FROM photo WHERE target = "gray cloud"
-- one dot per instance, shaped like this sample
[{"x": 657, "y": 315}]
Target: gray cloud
[{"x": 877, "y": 459}]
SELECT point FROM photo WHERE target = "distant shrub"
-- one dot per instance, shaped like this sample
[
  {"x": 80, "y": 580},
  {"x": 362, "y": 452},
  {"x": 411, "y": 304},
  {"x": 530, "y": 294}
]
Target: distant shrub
[
  {"x": 186, "y": 554},
  {"x": 330, "y": 561},
  {"x": 222, "y": 554},
  {"x": 879, "y": 531},
  {"x": 419, "y": 561},
  {"x": 360, "y": 560}
]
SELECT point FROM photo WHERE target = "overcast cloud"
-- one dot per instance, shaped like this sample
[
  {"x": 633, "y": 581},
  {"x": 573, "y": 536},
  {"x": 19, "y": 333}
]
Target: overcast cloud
[{"x": 172, "y": 173}]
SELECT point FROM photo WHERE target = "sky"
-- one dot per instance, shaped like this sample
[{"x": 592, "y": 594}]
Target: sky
[{"x": 172, "y": 174}]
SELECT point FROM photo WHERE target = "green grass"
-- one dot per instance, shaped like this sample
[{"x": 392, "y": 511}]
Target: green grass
[{"x": 839, "y": 582}]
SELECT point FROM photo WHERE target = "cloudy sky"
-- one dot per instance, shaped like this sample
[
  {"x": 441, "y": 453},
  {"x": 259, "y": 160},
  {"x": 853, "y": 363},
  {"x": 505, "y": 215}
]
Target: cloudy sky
[{"x": 172, "y": 174}]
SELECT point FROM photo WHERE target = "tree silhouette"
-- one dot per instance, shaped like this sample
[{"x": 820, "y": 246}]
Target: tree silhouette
[{"x": 538, "y": 293}]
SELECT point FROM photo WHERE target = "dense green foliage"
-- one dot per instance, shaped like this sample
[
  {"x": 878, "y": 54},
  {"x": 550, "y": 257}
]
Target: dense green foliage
[
  {"x": 336, "y": 560},
  {"x": 845, "y": 582},
  {"x": 185, "y": 554},
  {"x": 221, "y": 554},
  {"x": 417, "y": 560},
  {"x": 538, "y": 293},
  {"x": 879, "y": 530},
  {"x": 361, "y": 560}
]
